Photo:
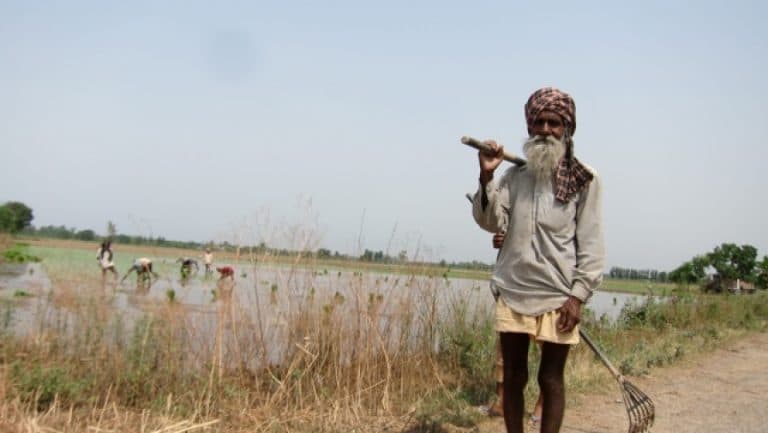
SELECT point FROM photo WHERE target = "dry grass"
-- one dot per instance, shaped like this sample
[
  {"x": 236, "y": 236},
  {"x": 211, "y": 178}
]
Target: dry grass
[
  {"x": 325, "y": 362},
  {"x": 363, "y": 354}
]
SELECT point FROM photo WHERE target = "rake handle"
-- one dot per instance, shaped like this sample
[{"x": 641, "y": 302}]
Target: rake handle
[
  {"x": 601, "y": 355},
  {"x": 481, "y": 146}
]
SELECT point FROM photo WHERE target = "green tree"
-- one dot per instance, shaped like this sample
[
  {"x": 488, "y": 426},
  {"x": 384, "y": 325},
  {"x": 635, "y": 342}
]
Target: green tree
[
  {"x": 746, "y": 263},
  {"x": 85, "y": 235},
  {"x": 683, "y": 274},
  {"x": 762, "y": 273},
  {"x": 699, "y": 265},
  {"x": 14, "y": 216},
  {"x": 691, "y": 271},
  {"x": 732, "y": 262}
]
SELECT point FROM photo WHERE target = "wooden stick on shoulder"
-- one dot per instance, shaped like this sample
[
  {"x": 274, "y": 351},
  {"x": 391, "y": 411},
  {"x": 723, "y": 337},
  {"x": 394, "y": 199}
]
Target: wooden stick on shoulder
[{"x": 479, "y": 145}]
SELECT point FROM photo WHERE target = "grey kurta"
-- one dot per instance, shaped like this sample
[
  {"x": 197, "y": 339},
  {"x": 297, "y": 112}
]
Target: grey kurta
[{"x": 551, "y": 250}]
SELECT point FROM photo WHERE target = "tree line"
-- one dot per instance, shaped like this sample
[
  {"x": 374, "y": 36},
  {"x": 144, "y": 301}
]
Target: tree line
[
  {"x": 729, "y": 261},
  {"x": 620, "y": 273}
]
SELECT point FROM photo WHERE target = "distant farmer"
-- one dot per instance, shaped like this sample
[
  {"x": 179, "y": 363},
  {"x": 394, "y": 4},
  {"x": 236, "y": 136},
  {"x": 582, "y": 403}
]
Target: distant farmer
[
  {"x": 186, "y": 266},
  {"x": 208, "y": 261},
  {"x": 104, "y": 256},
  {"x": 143, "y": 268},
  {"x": 226, "y": 271},
  {"x": 553, "y": 255}
]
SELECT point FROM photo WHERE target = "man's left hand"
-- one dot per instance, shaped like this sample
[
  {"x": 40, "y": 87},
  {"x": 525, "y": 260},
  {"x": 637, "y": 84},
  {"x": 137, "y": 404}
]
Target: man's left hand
[{"x": 570, "y": 314}]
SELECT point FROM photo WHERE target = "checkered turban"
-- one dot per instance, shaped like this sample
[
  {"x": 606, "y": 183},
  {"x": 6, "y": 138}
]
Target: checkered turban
[
  {"x": 551, "y": 99},
  {"x": 571, "y": 176}
]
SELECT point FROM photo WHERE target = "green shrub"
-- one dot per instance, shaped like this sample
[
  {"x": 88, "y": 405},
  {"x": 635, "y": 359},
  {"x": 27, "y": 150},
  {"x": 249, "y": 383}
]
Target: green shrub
[
  {"x": 18, "y": 255},
  {"x": 443, "y": 408},
  {"x": 468, "y": 341},
  {"x": 41, "y": 385}
]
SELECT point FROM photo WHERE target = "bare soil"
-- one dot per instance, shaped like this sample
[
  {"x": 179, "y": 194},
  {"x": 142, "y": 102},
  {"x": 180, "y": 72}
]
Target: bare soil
[{"x": 725, "y": 391}]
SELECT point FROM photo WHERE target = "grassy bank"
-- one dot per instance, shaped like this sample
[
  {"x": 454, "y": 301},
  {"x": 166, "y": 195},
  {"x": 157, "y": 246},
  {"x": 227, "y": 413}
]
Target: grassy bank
[
  {"x": 362, "y": 362},
  {"x": 638, "y": 287}
]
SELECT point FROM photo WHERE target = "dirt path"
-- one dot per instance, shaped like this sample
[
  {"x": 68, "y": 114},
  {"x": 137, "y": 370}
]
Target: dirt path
[{"x": 722, "y": 392}]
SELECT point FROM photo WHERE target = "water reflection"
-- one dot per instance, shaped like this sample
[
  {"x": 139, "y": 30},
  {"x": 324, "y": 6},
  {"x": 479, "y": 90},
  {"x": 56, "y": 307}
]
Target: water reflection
[{"x": 264, "y": 314}]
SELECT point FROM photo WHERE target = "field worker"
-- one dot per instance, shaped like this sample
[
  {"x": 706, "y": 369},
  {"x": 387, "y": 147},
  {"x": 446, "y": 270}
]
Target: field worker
[
  {"x": 553, "y": 255},
  {"x": 226, "y": 271},
  {"x": 143, "y": 268},
  {"x": 104, "y": 256},
  {"x": 186, "y": 266},
  {"x": 208, "y": 261}
]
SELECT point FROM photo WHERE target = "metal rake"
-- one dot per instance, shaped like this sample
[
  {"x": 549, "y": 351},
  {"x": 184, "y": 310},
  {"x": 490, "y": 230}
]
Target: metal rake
[{"x": 640, "y": 409}]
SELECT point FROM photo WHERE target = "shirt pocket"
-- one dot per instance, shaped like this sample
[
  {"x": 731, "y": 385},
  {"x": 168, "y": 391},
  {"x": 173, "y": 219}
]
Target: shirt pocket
[{"x": 559, "y": 218}]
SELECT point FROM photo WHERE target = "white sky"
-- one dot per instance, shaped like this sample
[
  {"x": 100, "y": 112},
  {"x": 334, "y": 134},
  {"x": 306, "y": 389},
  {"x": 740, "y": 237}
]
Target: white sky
[{"x": 196, "y": 120}]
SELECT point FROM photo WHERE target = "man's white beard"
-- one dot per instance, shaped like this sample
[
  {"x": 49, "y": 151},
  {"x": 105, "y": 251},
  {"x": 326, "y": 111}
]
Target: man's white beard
[{"x": 543, "y": 155}]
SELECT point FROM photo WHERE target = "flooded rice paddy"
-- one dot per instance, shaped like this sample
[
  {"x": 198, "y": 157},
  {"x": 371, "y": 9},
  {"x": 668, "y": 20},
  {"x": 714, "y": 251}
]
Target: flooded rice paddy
[{"x": 262, "y": 317}]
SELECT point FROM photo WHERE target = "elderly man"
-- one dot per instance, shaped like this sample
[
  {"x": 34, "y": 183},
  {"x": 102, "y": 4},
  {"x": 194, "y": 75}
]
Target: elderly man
[{"x": 553, "y": 254}]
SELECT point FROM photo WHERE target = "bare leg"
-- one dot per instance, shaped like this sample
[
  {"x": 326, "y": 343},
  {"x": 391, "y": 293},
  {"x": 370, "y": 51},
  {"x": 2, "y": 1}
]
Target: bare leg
[
  {"x": 154, "y": 274},
  {"x": 553, "y": 357},
  {"x": 497, "y": 409},
  {"x": 537, "y": 410},
  {"x": 514, "y": 349}
]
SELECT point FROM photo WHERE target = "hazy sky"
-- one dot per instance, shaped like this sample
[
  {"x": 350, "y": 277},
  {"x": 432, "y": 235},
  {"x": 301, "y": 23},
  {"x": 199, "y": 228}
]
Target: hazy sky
[{"x": 206, "y": 120}]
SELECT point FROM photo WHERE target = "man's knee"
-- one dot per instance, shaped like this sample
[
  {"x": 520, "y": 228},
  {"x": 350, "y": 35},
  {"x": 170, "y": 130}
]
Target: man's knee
[
  {"x": 516, "y": 378},
  {"x": 550, "y": 381}
]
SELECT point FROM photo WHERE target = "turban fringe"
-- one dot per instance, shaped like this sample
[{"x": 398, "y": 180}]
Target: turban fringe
[{"x": 571, "y": 175}]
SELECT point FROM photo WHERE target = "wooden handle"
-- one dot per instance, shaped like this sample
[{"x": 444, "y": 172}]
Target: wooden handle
[
  {"x": 481, "y": 146},
  {"x": 614, "y": 371}
]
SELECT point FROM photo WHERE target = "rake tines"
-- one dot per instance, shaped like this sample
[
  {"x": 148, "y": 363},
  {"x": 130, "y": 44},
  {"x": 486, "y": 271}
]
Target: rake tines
[{"x": 640, "y": 409}]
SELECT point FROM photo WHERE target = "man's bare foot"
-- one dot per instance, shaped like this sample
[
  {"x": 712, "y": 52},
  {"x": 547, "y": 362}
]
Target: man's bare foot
[{"x": 496, "y": 410}]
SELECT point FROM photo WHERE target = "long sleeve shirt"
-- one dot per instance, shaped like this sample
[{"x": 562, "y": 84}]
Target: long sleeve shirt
[{"x": 552, "y": 250}]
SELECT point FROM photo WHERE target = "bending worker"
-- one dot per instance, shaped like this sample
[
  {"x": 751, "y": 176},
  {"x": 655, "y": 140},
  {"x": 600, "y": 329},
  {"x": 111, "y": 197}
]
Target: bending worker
[
  {"x": 226, "y": 271},
  {"x": 143, "y": 268},
  {"x": 186, "y": 266}
]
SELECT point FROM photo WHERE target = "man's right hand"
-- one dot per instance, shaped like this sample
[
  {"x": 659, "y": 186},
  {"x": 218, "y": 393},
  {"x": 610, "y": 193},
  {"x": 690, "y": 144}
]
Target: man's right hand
[
  {"x": 498, "y": 240},
  {"x": 490, "y": 160}
]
